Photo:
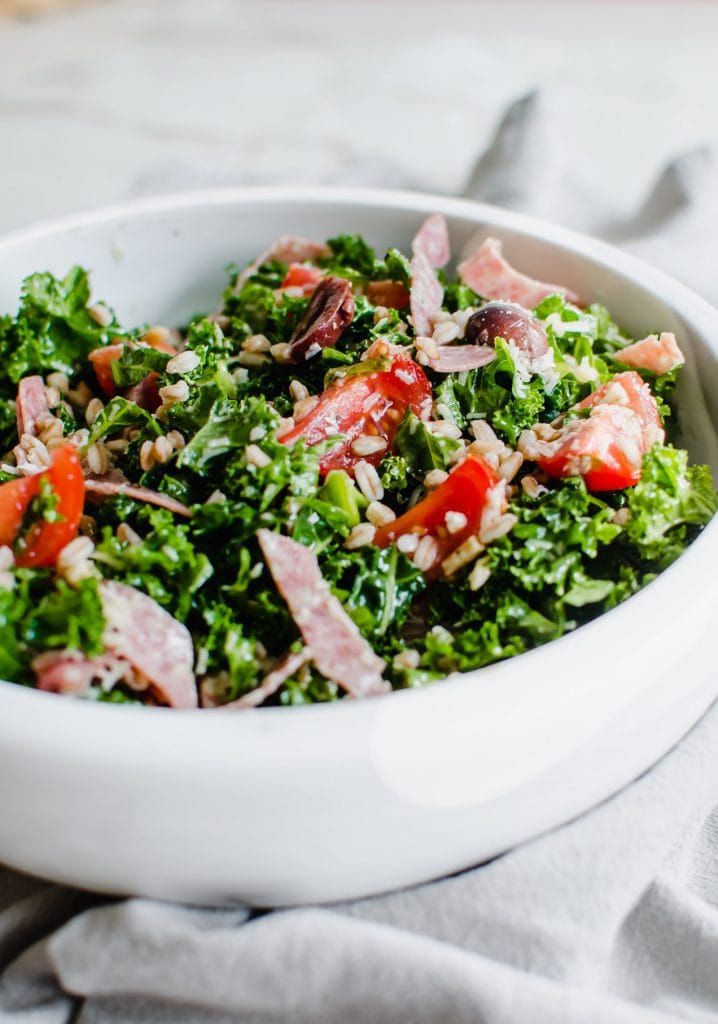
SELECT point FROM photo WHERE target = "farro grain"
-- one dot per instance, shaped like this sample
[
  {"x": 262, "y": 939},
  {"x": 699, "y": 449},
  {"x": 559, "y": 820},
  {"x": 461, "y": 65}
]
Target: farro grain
[
  {"x": 252, "y": 360},
  {"x": 359, "y": 536},
  {"x": 298, "y": 391},
  {"x": 256, "y": 343},
  {"x": 147, "y": 456},
  {"x": 408, "y": 543},
  {"x": 510, "y": 465},
  {"x": 379, "y": 514},
  {"x": 365, "y": 444},
  {"x": 479, "y": 576},
  {"x": 305, "y": 406},
  {"x": 177, "y": 392},
  {"x": 93, "y": 410},
  {"x": 127, "y": 535},
  {"x": 455, "y": 521},
  {"x": 426, "y": 553},
  {"x": 183, "y": 362},
  {"x": 256, "y": 456},
  {"x": 58, "y": 380},
  {"x": 462, "y": 556},
  {"x": 368, "y": 481},
  {"x": 163, "y": 449},
  {"x": 100, "y": 314},
  {"x": 408, "y": 658},
  {"x": 434, "y": 478}
]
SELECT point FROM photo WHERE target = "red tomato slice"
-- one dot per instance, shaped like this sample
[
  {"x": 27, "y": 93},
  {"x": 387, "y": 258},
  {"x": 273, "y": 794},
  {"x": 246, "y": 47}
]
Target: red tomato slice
[
  {"x": 103, "y": 358},
  {"x": 607, "y": 448},
  {"x": 44, "y": 541},
  {"x": 464, "y": 491},
  {"x": 301, "y": 276},
  {"x": 365, "y": 403},
  {"x": 392, "y": 294}
]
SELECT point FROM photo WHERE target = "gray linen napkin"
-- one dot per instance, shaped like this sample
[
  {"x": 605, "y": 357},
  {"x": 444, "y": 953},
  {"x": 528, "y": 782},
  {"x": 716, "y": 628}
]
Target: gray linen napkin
[{"x": 612, "y": 919}]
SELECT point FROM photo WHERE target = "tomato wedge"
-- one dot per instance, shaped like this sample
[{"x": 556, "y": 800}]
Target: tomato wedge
[
  {"x": 302, "y": 276},
  {"x": 607, "y": 447},
  {"x": 103, "y": 358},
  {"x": 465, "y": 491},
  {"x": 44, "y": 540},
  {"x": 364, "y": 404},
  {"x": 392, "y": 294}
]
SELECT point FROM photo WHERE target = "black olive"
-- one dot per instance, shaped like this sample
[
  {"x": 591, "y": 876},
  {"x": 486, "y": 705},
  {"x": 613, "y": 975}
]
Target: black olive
[{"x": 511, "y": 322}]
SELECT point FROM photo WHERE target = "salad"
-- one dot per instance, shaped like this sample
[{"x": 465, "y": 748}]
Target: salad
[{"x": 359, "y": 474}]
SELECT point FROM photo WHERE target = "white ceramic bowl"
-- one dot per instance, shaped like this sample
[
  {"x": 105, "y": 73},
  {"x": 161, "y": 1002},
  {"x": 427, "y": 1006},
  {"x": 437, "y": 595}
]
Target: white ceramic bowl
[{"x": 281, "y": 806}]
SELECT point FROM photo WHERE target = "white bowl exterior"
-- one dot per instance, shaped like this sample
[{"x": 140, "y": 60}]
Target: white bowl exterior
[{"x": 282, "y": 806}]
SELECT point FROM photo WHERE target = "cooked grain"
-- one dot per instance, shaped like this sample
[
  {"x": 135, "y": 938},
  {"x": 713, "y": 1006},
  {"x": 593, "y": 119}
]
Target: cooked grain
[
  {"x": 379, "y": 514},
  {"x": 360, "y": 536},
  {"x": 183, "y": 362},
  {"x": 368, "y": 481},
  {"x": 365, "y": 444},
  {"x": 93, "y": 410}
]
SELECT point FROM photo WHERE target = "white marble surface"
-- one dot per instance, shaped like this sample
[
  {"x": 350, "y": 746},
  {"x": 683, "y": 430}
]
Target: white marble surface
[{"x": 128, "y": 97}]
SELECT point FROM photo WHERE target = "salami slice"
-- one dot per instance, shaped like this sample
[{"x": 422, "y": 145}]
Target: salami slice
[
  {"x": 286, "y": 249},
  {"x": 338, "y": 649},
  {"x": 31, "y": 405},
  {"x": 432, "y": 241},
  {"x": 286, "y": 668},
  {"x": 457, "y": 358},
  {"x": 493, "y": 277},
  {"x": 157, "y": 646},
  {"x": 100, "y": 487}
]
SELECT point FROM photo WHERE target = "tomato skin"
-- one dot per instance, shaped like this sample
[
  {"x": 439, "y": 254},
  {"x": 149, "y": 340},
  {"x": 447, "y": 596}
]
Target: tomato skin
[
  {"x": 366, "y": 403},
  {"x": 392, "y": 294},
  {"x": 607, "y": 448},
  {"x": 465, "y": 490},
  {"x": 44, "y": 541},
  {"x": 301, "y": 276},
  {"x": 103, "y": 358}
]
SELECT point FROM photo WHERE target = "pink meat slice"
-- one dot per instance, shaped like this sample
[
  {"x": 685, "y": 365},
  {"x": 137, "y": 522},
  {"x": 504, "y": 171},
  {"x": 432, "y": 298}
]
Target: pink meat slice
[
  {"x": 457, "y": 358},
  {"x": 286, "y": 668},
  {"x": 493, "y": 277},
  {"x": 432, "y": 240},
  {"x": 156, "y": 645},
  {"x": 31, "y": 404},
  {"x": 338, "y": 649},
  {"x": 72, "y": 672},
  {"x": 108, "y": 488},
  {"x": 286, "y": 249},
  {"x": 430, "y": 249},
  {"x": 658, "y": 354},
  {"x": 425, "y": 295}
]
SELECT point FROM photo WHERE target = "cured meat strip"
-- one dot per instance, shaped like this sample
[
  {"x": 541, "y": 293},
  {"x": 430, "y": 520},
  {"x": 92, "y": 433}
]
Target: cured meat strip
[
  {"x": 330, "y": 310},
  {"x": 286, "y": 249},
  {"x": 289, "y": 664},
  {"x": 108, "y": 488},
  {"x": 72, "y": 672},
  {"x": 658, "y": 354},
  {"x": 157, "y": 646},
  {"x": 31, "y": 404},
  {"x": 338, "y": 649},
  {"x": 457, "y": 358},
  {"x": 430, "y": 249},
  {"x": 493, "y": 277},
  {"x": 432, "y": 239}
]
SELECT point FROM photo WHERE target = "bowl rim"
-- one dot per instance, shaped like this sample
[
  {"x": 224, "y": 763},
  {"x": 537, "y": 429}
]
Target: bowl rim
[{"x": 673, "y": 292}]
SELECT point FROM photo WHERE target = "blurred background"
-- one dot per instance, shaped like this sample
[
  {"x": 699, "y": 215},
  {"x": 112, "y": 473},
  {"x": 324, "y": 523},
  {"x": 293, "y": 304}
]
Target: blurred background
[{"x": 106, "y": 100}]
